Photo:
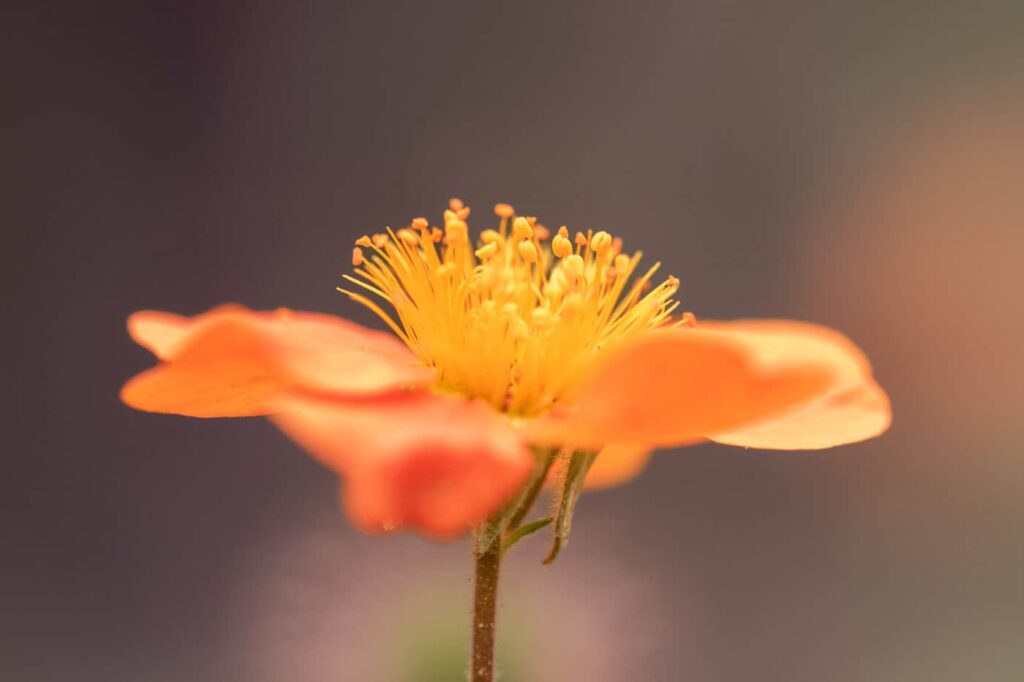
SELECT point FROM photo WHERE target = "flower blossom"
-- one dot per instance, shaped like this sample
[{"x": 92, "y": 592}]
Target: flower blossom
[{"x": 519, "y": 342}]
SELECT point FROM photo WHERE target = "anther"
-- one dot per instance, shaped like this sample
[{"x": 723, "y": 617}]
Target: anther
[
  {"x": 379, "y": 240},
  {"x": 528, "y": 251},
  {"x": 420, "y": 223},
  {"x": 504, "y": 210},
  {"x": 364, "y": 241},
  {"x": 456, "y": 230},
  {"x": 581, "y": 239},
  {"x": 357, "y": 257},
  {"x": 573, "y": 266},
  {"x": 561, "y": 246},
  {"x": 409, "y": 237},
  {"x": 601, "y": 243},
  {"x": 455, "y": 204},
  {"x": 490, "y": 236},
  {"x": 487, "y": 251},
  {"x": 521, "y": 229}
]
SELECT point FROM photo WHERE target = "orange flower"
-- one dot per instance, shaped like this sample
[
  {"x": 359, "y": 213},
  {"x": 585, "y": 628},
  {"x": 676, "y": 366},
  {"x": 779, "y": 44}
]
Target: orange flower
[{"x": 504, "y": 348}]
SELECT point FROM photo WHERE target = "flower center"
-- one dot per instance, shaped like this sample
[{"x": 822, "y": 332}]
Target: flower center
[{"x": 518, "y": 316}]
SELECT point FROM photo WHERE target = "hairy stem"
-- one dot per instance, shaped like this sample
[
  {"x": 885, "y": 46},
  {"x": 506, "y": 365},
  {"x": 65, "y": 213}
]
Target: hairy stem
[{"x": 485, "y": 602}]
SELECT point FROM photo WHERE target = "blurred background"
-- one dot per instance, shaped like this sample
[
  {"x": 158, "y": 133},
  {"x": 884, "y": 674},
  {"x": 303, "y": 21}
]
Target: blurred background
[{"x": 856, "y": 164}]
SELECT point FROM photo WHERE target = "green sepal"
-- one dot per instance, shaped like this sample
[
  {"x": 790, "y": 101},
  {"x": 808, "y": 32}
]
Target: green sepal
[
  {"x": 512, "y": 513},
  {"x": 522, "y": 531},
  {"x": 572, "y": 485}
]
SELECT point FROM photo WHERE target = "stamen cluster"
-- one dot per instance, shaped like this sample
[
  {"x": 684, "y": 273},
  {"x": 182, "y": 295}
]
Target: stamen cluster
[{"x": 516, "y": 317}]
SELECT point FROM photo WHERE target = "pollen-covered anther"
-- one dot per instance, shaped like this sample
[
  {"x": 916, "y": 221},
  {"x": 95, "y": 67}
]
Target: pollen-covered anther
[
  {"x": 504, "y": 210},
  {"x": 581, "y": 239},
  {"x": 561, "y": 246},
  {"x": 487, "y": 251},
  {"x": 456, "y": 231},
  {"x": 573, "y": 266},
  {"x": 357, "y": 257},
  {"x": 456, "y": 206},
  {"x": 521, "y": 229},
  {"x": 601, "y": 243},
  {"x": 379, "y": 240},
  {"x": 527, "y": 251},
  {"x": 419, "y": 223},
  {"x": 364, "y": 241},
  {"x": 491, "y": 237},
  {"x": 408, "y": 237}
]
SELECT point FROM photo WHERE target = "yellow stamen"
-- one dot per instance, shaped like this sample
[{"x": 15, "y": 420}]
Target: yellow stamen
[
  {"x": 521, "y": 229},
  {"x": 512, "y": 319},
  {"x": 601, "y": 243},
  {"x": 487, "y": 251},
  {"x": 410, "y": 238},
  {"x": 561, "y": 246}
]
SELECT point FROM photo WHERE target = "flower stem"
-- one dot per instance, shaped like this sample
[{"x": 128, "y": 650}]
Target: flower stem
[
  {"x": 485, "y": 602},
  {"x": 530, "y": 495}
]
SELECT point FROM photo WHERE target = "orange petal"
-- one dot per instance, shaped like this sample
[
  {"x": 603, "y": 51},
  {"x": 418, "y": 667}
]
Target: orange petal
[
  {"x": 435, "y": 463},
  {"x": 230, "y": 361},
  {"x": 848, "y": 414},
  {"x": 854, "y": 407},
  {"x": 616, "y": 464},
  {"x": 158, "y": 331},
  {"x": 676, "y": 386}
]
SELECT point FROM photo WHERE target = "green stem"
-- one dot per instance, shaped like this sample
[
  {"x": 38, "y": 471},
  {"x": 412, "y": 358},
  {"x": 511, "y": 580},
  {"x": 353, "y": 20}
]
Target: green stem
[
  {"x": 485, "y": 603},
  {"x": 530, "y": 496},
  {"x": 488, "y": 546}
]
